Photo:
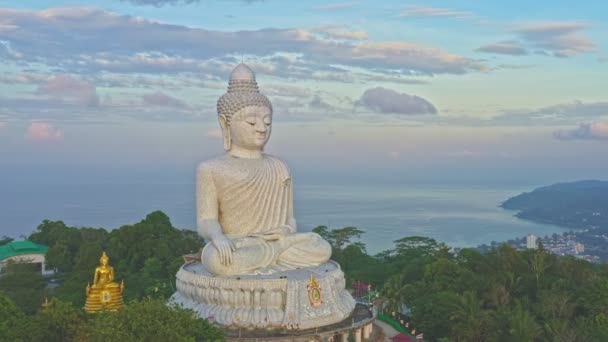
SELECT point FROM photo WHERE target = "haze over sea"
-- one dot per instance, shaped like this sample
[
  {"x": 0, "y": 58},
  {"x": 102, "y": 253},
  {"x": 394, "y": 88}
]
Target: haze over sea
[{"x": 459, "y": 215}]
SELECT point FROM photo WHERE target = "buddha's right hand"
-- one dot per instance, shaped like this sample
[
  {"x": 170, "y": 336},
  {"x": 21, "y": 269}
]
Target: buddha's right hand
[{"x": 225, "y": 247}]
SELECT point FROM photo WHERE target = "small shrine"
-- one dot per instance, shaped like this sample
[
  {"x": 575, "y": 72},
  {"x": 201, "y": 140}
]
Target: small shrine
[{"x": 105, "y": 294}]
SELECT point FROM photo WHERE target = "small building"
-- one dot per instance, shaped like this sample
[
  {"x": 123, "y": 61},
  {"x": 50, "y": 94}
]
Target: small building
[
  {"x": 579, "y": 248},
  {"x": 24, "y": 252},
  {"x": 531, "y": 241}
]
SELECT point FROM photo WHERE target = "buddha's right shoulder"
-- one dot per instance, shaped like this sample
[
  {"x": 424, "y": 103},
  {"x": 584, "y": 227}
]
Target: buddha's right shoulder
[{"x": 210, "y": 166}]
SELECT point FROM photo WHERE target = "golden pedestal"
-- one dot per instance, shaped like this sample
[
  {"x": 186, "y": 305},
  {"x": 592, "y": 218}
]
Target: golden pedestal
[{"x": 108, "y": 298}]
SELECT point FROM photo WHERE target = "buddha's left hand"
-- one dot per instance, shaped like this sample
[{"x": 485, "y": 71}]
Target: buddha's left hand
[{"x": 276, "y": 233}]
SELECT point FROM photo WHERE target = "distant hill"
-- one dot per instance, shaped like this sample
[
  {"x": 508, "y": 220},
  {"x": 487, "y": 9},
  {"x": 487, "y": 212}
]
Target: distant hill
[{"x": 582, "y": 204}]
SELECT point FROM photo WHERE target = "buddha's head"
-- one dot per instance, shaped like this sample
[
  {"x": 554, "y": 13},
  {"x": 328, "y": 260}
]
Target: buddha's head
[
  {"x": 104, "y": 259},
  {"x": 245, "y": 114}
]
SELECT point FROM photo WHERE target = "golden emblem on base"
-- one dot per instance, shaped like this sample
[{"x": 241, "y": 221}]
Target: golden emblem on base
[
  {"x": 105, "y": 294},
  {"x": 315, "y": 296}
]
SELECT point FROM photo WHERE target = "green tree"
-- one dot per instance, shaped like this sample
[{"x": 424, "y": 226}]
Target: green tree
[
  {"x": 11, "y": 319},
  {"x": 151, "y": 320},
  {"x": 470, "y": 319},
  {"x": 59, "y": 321},
  {"x": 5, "y": 240},
  {"x": 539, "y": 263},
  {"x": 63, "y": 242},
  {"x": 394, "y": 293},
  {"x": 522, "y": 325},
  {"x": 431, "y": 312},
  {"x": 339, "y": 238},
  {"x": 72, "y": 287},
  {"x": 417, "y": 246},
  {"x": 24, "y": 285}
]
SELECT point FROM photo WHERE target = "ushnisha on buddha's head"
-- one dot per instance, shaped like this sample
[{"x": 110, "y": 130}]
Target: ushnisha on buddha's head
[{"x": 245, "y": 115}]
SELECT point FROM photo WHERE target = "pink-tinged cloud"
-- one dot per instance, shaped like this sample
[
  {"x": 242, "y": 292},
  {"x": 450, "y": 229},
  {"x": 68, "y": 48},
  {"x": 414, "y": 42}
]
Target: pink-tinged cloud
[
  {"x": 71, "y": 90},
  {"x": 163, "y": 100},
  {"x": 332, "y": 31},
  {"x": 215, "y": 133},
  {"x": 43, "y": 132},
  {"x": 2, "y": 125},
  {"x": 585, "y": 131}
]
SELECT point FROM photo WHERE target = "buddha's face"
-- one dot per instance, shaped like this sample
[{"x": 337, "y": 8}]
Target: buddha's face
[
  {"x": 250, "y": 127},
  {"x": 104, "y": 261}
]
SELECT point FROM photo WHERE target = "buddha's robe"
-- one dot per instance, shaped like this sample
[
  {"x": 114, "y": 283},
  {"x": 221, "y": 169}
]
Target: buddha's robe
[
  {"x": 104, "y": 277},
  {"x": 248, "y": 198}
]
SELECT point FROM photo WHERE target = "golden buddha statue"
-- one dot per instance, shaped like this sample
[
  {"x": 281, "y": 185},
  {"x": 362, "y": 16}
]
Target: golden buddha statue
[{"x": 105, "y": 294}]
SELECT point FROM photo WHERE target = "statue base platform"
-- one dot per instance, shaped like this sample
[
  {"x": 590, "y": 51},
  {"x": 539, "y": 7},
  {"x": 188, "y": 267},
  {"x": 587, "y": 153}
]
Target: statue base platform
[
  {"x": 104, "y": 299},
  {"x": 298, "y": 299}
]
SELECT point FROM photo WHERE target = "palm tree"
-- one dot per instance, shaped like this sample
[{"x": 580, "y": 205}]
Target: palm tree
[
  {"x": 522, "y": 325},
  {"x": 560, "y": 330},
  {"x": 394, "y": 292},
  {"x": 470, "y": 318}
]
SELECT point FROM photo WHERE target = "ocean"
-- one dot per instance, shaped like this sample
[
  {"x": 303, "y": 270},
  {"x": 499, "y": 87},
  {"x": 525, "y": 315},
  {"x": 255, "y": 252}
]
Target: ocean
[{"x": 460, "y": 216}]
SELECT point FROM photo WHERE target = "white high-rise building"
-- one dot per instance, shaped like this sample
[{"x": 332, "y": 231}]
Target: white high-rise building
[
  {"x": 579, "y": 248},
  {"x": 531, "y": 241}
]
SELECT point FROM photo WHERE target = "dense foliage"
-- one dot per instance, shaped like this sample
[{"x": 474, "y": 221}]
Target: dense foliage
[
  {"x": 25, "y": 285},
  {"x": 145, "y": 320},
  {"x": 146, "y": 255},
  {"x": 501, "y": 295}
]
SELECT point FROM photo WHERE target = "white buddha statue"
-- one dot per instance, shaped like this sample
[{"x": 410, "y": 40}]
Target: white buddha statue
[{"x": 245, "y": 198}]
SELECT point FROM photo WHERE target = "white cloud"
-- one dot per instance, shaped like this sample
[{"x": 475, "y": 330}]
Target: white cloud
[
  {"x": 504, "y": 48},
  {"x": 332, "y": 31},
  {"x": 384, "y": 100},
  {"x": 561, "y": 39},
  {"x": 415, "y": 58},
  {"x": 337, "y": 6},
  {"x": 161, "y": 3},
  {"x": 430, "y": 12},
  {"x": 88, "y": 40},
  {"x": 558, "y": 39},
  {"x": 161, "y": 99},
  {"x": 43, "y": 132},
  {"x": 558, "y": 114},
  {"x": 70, "y": 89},
  {"x": 585, "y": 131},
  {"x": 575, "y": 109}
]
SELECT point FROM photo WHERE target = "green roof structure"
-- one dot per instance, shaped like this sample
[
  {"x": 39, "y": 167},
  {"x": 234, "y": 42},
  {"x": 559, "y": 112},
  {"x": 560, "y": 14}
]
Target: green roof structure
[{"x": 16, "y": 248}]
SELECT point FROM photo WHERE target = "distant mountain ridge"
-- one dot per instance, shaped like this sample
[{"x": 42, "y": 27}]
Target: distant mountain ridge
[{"x": 581, "y": 204}]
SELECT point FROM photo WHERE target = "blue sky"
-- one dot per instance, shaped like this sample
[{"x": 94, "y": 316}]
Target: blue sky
[{"x": 422, "y": 89}]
